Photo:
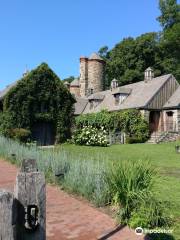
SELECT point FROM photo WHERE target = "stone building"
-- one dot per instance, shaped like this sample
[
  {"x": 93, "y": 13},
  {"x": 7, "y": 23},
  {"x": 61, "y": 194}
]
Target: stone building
[
  {"x": 157, "y": 98},
  {"x": 152, "y": 97},
  {"x": 91, "y": 78}
]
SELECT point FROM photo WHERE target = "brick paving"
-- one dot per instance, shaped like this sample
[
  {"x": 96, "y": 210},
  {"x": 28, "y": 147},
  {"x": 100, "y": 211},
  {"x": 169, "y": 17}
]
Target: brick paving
[{"x": 69, "y": 218}]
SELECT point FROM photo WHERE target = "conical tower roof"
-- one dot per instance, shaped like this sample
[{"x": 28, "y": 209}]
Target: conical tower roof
[{"x": 95, "y": 56}]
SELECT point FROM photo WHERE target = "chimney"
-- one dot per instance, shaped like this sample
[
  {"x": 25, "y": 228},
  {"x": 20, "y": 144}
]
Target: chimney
[
  {"x": 148, "y": 74},
  {"x": 114, "y": 84}
]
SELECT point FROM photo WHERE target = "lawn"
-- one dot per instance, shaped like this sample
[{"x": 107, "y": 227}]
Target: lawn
[
  {"x": 162, "y": 156},
  {"x": 84, "y": 168}
]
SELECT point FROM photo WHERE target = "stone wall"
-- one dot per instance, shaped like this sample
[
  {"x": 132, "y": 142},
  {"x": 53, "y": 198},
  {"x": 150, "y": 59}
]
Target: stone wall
[
  {"x": 83, "y": 76},
  {"x": 175, "y": 120},
  {"x": 75, "y": 90}
]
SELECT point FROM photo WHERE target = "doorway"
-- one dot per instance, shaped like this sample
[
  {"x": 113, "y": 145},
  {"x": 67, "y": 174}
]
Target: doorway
[
  {"x": 43, "y": 133},
  {"x": 154, "y": 119}
]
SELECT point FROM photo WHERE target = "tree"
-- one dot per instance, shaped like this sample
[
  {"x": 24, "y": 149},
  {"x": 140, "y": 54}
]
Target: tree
[
  {"x": 128, "y": 59},
  {"x": 103, "y": 51},
  {"x": 170, "y": 37},
  {"x": 170, "y": 13},
  {"x": 69, "y": 79}
]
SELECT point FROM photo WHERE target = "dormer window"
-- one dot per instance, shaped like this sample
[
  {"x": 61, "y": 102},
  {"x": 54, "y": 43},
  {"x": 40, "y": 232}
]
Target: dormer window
[
  {"x": 120, "y": 94},
  {"x": 119, "y": 98},
  {"x": 95, "y": 100},
  {"x": 116, "y": 96}
]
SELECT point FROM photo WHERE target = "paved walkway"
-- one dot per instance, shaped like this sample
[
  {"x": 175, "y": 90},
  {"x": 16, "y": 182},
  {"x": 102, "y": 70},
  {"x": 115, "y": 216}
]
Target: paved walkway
[{"x": 69, "y": 218}]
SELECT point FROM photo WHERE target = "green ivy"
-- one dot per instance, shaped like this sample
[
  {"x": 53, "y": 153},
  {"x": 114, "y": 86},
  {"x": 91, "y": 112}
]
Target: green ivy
[
  {"x": 129, "y": 121},
  {"x": 39, "y": 96}
]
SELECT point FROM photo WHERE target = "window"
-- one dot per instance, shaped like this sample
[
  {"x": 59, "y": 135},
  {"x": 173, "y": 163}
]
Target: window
[
  {"x": 116, "y": 99},
  {"x": 119, "y": 98},
  {"x": 170, "y": 114}
]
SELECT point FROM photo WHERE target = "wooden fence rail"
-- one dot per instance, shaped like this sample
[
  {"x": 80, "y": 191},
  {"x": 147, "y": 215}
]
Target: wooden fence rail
[{"x": 23, "y": 213}]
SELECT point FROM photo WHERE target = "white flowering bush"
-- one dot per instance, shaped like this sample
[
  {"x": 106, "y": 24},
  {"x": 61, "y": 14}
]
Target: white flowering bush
[{"x": 91, "y": 136}]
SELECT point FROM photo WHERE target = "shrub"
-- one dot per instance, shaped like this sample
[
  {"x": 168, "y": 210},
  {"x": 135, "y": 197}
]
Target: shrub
[
  {"x": 151, "y": 213},
  {"x": 91, "y": 136},
  {"x": 130, "y": 140},
  {"x": 128, "y": 121},
  {"x": 20, "y": 134},
  {"x": 129, "y": 183},
  {"x": 5, "y": 123}
]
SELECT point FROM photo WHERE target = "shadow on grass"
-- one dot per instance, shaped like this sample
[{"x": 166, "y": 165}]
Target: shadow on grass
[{"x": 159, "y": 236}]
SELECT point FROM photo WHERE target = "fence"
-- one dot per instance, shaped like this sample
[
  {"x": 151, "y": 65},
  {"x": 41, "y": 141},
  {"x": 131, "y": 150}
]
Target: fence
[{"x": 23, "y": 213}]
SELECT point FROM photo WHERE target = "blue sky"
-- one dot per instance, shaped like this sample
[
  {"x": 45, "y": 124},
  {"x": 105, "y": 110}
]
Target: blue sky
[{"x": 60, "y": 31}]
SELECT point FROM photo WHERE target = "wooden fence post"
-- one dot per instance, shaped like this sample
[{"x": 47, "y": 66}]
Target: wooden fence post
[
  {"x": 30, "y": 192},
  {"x": 6, "y": 215}
]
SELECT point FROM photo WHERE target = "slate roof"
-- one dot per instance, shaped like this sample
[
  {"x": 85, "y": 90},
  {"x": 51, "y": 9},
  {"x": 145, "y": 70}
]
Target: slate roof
[
  {"x": 123, "y": 90},
  {"x": 80, "y": 105},
  {"x": 95, "y": 56},
  {"x": 75, "y": 83},
  {"x": 174, "y": 101},
  {"x": 96, "y": 96},
  {"x": 140, "y": 94}
]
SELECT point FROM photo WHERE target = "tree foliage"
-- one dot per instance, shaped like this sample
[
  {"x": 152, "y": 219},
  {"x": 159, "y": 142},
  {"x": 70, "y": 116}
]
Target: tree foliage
[
  {"x": 129, "y": 58},
  {"x": 69, "y": 79},
  {"x": 128, "y": 121},
  {"x": 40, "y": 96},
  {"x": 170, "y": 13}
]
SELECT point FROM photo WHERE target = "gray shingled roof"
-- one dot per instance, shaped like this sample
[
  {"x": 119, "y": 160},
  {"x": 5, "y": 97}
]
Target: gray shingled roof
[
  {"x": 75, "y": 83},
  {"x": 140, "y": 96},
  {"x": 174, "y": 101},
  {"x": 96, "y": 96},
  {"x": 124, "y": 90},
  {"x": 3, "y": 92},
  {"x": 95, "y": 56},
  {"x": 80, "y": 105}
]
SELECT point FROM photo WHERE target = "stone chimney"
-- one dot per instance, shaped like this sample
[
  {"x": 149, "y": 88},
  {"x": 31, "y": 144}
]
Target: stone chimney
[{"x": 148, "y": 74}]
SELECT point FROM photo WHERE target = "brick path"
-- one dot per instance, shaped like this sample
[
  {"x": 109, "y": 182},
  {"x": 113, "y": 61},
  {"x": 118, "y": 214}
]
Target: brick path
[{"x": 69, "y": 218}]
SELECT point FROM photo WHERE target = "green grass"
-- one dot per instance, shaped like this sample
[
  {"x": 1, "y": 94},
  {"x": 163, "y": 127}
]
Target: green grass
[
  {"x": 86, "y": 166},
  {"x": 162, "y": 156}
]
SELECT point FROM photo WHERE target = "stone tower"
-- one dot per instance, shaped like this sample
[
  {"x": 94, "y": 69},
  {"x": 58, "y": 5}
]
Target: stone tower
[{"x": 91, "y": 74}]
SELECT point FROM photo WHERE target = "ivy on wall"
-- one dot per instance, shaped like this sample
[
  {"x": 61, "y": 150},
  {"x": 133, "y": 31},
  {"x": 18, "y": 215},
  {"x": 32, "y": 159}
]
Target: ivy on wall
[
  {"x": 39, "y": 96},
  {"x": 129, "y": 121}
]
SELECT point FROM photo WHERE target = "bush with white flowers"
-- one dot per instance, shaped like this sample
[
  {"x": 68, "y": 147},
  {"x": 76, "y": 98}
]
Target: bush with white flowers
[{"x": 91, "y": 136}]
